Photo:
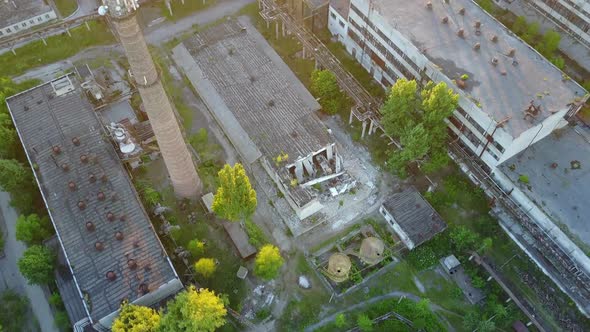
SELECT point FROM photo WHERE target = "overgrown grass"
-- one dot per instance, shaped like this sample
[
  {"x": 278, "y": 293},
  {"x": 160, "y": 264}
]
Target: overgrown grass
[
  {"x": 256, "y": 234},
  {"x": 58, "y": 47},
  {"x": 180, "y": 10},
  {"x": 66, "y": 7}
]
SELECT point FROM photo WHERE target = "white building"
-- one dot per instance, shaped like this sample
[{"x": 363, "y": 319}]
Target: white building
[
  {"x": 19, "y": 15},
  {"x": 573, "y": 16},
  {"x": 510, "y": 96}
]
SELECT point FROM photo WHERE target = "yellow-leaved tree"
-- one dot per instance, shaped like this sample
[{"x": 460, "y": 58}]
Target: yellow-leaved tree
[
  {"x": 135, "y": 318},
  {"x": 205, "y": 267},
  {"x": 194, "y": 310},
  {"x": 268, "y": 262},
  {"x": 235, "y": 199}
]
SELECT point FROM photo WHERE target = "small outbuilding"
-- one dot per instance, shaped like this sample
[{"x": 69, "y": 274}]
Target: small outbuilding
[
  {"x": 412, "y": 218},
  {"x": 371, "y": 251},
  {"x": 338, "y": 267}
]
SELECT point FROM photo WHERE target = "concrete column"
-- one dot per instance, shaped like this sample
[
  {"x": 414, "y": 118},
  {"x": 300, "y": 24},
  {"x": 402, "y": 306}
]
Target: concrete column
[
  {"x": 44, "y": 41},
  {"x": 277, "y": 22},
  {"x": 68, "y": 32},
  {"x": 87, "y": 26},
  {"x": 13, "y": 51},
  {"x": 371, "y": 127},
  {"x": 364, "y": 129},
  {"x": 304, "y": 55},
  {"x": 350, "y": 117},
  {"x": 329, "y": 152},
  {"x": 283, "y": 28}
]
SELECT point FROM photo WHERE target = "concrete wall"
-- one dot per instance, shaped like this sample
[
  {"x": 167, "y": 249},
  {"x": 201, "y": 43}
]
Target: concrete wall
[
  {"x": 396, "y": 228},
  {"x": 27, "y": 24},
  {"x": 337, "y": 25}
]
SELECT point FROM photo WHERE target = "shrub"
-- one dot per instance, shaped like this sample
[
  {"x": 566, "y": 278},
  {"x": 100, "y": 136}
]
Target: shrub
[
  {"x": 205, "y": 267},
  {"x": 268, "y": 262},
  {"x": 524, "y": 179},
  {"x": 196, "y": 247},
  {"x": 256, "y": 236},
  {"x": 365, "y": 323},
  {"x": 62, "y": 321},
  {"x": 56, "y": 301},
  {"x": 340, "y": 320}
]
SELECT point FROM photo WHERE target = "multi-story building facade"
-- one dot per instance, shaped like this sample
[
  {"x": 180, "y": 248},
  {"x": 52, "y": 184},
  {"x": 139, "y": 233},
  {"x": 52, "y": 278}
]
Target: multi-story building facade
[
  {"x": 510, "y": 96},
  {"x": 16, "y": 16},
  {"x": 573, "y": 16}
]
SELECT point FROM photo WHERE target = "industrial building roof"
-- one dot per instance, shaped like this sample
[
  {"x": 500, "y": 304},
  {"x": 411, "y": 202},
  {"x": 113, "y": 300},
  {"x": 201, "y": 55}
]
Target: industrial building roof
[
  {"x": 555, "y": 182},
  {"x": 262, "y": 105},
  {"x": 101, "y": 225},
  {"x": 414, "y": 215},
  {"x": 15, "y": 11},
  {"x": 529, "y": 77}
]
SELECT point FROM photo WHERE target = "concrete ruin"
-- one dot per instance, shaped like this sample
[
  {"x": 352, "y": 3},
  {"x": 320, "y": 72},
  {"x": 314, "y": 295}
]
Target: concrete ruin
[{"x": 265, "y": 111}]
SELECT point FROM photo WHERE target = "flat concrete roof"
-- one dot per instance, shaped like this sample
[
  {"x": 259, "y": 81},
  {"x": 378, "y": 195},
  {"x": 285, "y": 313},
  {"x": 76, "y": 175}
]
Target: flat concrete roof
[
  {"x": 45, "y": 120},
  {"x": 261, "y": 105},
  {"x": 25, "y": 9},
  {"x": 560, "y": 191},
  {"x": 500, "y": 95}
]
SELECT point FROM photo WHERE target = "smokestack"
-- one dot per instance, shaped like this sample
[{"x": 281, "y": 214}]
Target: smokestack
[{"x": 177, "y": 157}]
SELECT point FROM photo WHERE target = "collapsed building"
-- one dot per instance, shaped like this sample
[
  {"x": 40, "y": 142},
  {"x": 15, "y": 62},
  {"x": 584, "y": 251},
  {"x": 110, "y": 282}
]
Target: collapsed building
[
  {"x": 107, "y": 240},
  {"x": 265, "y": 111}
]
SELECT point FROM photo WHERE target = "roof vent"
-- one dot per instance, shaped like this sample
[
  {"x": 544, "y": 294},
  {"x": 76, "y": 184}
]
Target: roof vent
[
  {"x": 65, "y": 167},
  {"x": 76, "y": 141},
  {"x": 119, "y": 236},
  {"x": 477, "y": 24},
  {"x": 92, "y": 178},
  {"x": 477, "y": 46},
  {"x": 104, "y": 178},
  {"x": 511, "y": 52},
  {"x": 81, "y": 205},
  {"x": 462, "y": 11},
  {"x": 494, "y": 39},
  {"x": 123, "y": 217},
  {"x": 99, "y": 246},
  {"x": 84, "y": 158},
  {"x": 90, "y": 226},
  {"x": 110, "y": 216},
  {"x": 100, "y": 196},
  {"x": 429, "y": 5},
  {"x": 503, "y": 73},
  {"x": 143, "y": 289},
  {"x": 445, "y": 20},
  {"x": 111, "y": 276},
  {"x": 72, "y": 185},
  {"x": 56, "y": 149},
  {"x": 495, "y": 61},
  {"x": 271, "y": 103},
  {"x": 461, "y": 33},
  {"x": 136, "y": 244},
  {"x": 461, "y": 84},
  {"x": 132, "y": 264}
]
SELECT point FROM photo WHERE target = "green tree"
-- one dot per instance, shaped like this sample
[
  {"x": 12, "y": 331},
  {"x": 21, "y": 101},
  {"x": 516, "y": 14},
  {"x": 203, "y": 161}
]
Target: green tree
[
  {"x": 464, "y": 239},
  {"x": 520, "y": 25},
  {"x": 532, "y": 32},
  {"x": 32, "y": 229},
  {"x": 438, "y": 103},
  {"x": 549, "y": 43},
  {"x": 14, "y": 176},
  {"x": 325, "y": 87},
  {"x": 399, "y": 110},
  {"x": 37, "y": 265},
  {"x": 415, "y": 147},
  {"x": 235, "y": 199},
  {"x": 486, "y": 326},
  {"x": 364, "y": 323},
  {"x": 8, "y": 137},
  {"x": 471, "y": 320},
  {"x": 196, "y": 247},
  {"x": 194, "y": 310},
  {"x": 205, "y": 267},
  {"x": 268, "y": 262},
  {"x": 62, "y": 321},
  {"x": 559, "y": 62},
  {"x": 135, "y": 318},
  {"x": 340, "y": 321},
  {"x": 13, "y": 311}
]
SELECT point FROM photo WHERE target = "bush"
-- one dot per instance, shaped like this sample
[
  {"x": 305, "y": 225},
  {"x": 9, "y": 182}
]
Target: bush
[
  {"x": 268, "y": 262},
  {"x": 524, "y": 179},
  {"x": 62, "y": 321},
  {"x": 13, "y": 311},
  {"x": 31, "y": 229},
  {"x": 256, "y": 236},
  {"x": 340, "y": 321},
  {"x": 196, "y": 247},
  {"x": 365, "y": 323},
  {"x": 422, "y": 257},
  {"x": 205, "y": 267},
  {"x": 56, "y": 301}
]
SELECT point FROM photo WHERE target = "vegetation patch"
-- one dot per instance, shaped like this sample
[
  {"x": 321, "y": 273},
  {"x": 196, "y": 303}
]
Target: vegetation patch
[
  {"x": 66, "y": 7},
  {"x": 58, "y": 47}
]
